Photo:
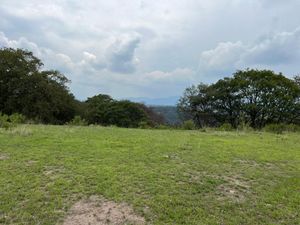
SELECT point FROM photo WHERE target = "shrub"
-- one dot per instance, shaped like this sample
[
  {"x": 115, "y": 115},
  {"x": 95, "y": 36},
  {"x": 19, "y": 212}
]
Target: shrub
[
  {"x": 293, "y": 128},
  {"x": 78, "y": 121},
  {"x": 17, "y": 118},
  {"x": 244, "y": 127},
  {"x": 163, "y": 127},
  {"x": 281, "y": 127},
  {"x": 7, "y": 122},
  {"x": 225, "y": 127},
  {"x": 144, "y": 125},
  {"x": 188, "y": 125},
  {"x": 4, "y": 121}
]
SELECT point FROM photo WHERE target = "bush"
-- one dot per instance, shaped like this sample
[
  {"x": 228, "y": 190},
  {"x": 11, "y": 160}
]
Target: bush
[
  {"x": 17, "y": 118},
  {"x": 144, "y": 125},
  {"x": 188, "y": 125},
  {"x": 78, "y": 121},
  {"x": 244, "y": 127},
  {"x": 293, "y": 128},
  {"x": 163, "y": 127},
  {"x": 5, "y": 122},
  {"x": 281, "y": 127},
  {"x": 225, "y": 127}
]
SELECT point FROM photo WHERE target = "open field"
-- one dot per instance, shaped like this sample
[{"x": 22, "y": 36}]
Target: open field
[{"x": 167, "y": 177}]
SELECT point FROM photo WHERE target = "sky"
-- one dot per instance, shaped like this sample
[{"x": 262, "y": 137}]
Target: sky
[{"x": 153, "y": 50}]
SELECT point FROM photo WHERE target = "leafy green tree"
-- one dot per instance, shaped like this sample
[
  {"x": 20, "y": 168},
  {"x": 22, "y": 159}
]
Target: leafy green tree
[
  {"x": 225, "y": 101},
  {"x": 102, "y": 109},
  {"x": 154, "y": 118},
  {"x": 97, "y": 109},
  {"x": 255, "y": 97},
  {"x": 37, "y": 94},
  {"x": 126, "y": 114},
  {"x": 196, "y": 105},
  {"x": 267, "y": 97}
]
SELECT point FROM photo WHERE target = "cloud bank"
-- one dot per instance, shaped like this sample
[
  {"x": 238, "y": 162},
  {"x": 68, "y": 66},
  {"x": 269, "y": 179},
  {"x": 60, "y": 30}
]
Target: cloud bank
[{"x": 153, "y": 49}]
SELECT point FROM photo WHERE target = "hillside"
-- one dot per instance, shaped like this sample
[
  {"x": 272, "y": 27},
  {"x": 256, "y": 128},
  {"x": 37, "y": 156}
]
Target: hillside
[{"x": 169, "y": 113}]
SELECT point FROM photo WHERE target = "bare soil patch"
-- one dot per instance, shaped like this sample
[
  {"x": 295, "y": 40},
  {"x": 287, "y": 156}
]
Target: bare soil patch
[
  {"x": 31, "y": 162},
  {"x": 53, "y": 172},
  {"x": 99, "y": 211},
  {"x": 253, "y": 163},
  {"x": 4, "y": 157},
  {"x": 235, "y": 189}
]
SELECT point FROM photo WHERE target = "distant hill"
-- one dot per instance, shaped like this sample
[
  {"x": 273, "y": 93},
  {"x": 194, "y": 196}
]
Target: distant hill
[
  {"x": 169, "y": 113},
  {"x": 164, "y": 106}
]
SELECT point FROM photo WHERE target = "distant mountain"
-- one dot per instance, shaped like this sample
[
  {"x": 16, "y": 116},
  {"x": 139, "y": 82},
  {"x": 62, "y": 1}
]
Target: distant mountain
[
  {"x": 169, "y": 113},
  {"x": 163, "y": 106},
  {"x": 169, "y": 101}
]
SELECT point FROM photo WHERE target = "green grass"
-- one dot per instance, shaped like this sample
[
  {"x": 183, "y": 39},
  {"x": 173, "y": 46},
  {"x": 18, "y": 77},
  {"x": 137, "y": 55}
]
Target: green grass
[{"x": 169, "y": 177}]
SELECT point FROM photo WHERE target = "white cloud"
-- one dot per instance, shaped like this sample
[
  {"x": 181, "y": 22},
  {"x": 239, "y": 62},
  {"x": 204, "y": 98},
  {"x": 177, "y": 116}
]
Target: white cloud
[
  {"x": 145, "y": 47},
  {"x": 280, "y": 48},
  {"x": 122, "y": 57},
  {"x": 224, "y": 56},
  {"x": 274, "y": 52}
]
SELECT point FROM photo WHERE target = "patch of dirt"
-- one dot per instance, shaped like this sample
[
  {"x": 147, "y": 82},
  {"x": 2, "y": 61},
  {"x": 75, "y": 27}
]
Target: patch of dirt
[
  {"x": 235, "y": 189},
  {"x": 253, "y": 163},
  {"x": 53, "y": 171},
  {"x": 31, "y": 162},
  {"x": 232, "y": 187},
  {"x": 4, "y": 157},
  {"x": 99, "y": 211}
]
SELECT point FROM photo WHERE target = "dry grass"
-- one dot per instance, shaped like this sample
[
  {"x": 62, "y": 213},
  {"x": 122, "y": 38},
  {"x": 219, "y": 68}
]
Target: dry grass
[
  {"x": 99, "y": 211},
  {"x": 21, "y": 130}
]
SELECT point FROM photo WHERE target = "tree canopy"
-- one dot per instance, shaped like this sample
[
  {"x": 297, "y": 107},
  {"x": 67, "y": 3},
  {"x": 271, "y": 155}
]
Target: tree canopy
[
  {"x": 27, "y": 89},
  {"x": 102, "y": 109},
  {"x": 256, "y": 97}
]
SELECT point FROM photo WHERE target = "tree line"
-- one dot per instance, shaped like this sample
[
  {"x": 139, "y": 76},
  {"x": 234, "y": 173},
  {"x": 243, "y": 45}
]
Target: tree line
[
  {"x": 43, "y": 96},
  {"x": 253, "y": 97}
]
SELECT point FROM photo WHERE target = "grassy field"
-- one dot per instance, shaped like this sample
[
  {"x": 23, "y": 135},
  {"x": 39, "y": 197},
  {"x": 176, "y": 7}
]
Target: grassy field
[{"x": 168, "y": 177}]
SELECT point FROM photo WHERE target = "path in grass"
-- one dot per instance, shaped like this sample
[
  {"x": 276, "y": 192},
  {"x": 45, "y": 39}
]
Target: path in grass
[{"x": 167, "y": 177}]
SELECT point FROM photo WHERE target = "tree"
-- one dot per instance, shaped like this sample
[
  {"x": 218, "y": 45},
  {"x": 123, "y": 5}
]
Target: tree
[
  {"x": 37, "y": 94},
  {"x": 154, "y": 118},
  {"x": 225, "y": 101},
  {"x": 126, "y": 114},
  {"x": 102, "y": 109},
  {"x": 196, "y": 104},
  {"x": 267, "y": 97},
  {"x": 257, "y": 97},
  {"x": 97, "y": 109}
]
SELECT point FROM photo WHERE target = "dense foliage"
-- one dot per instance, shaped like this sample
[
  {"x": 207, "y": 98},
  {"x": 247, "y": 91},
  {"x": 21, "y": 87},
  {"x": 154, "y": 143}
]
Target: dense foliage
[
  {"x": 254, "y": 97},
  {"x": 43, "y": 96},
  {"x": 37, "y": 94},
  {"x": 104, "y": 110}
]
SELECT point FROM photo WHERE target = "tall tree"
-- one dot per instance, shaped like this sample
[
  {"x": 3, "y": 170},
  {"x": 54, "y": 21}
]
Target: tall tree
[
  {"x": 257, "y": 97},
  {"x": 26, "y": 89}
]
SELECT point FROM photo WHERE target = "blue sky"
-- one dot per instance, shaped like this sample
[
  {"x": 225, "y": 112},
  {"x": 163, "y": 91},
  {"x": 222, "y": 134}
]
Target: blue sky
[{"x": 153, "y": 49}]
